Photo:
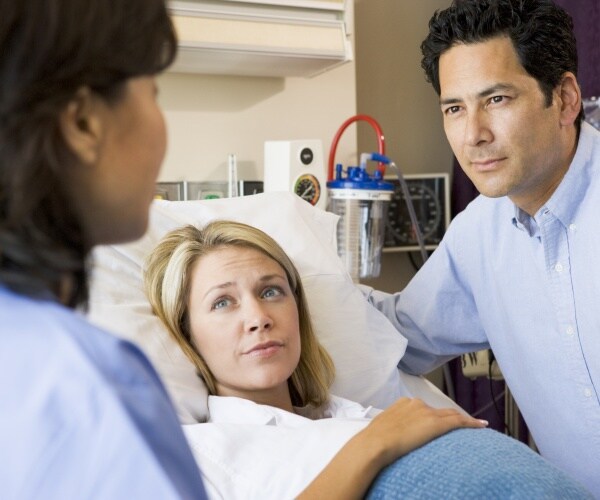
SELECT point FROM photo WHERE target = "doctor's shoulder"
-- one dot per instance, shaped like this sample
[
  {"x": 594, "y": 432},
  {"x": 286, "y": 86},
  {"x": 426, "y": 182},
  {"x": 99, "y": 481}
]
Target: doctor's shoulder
[{"x": 68, "y": 413}]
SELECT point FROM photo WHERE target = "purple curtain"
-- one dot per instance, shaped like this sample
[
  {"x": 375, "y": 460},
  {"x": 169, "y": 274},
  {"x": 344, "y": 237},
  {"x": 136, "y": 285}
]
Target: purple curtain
[
  {"x": 477, "y": 394},
  {"x": 586, "y": 18}
]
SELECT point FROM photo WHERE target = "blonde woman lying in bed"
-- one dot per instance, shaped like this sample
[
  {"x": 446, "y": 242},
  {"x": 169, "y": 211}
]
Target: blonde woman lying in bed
[{"x": 234, "y": 302}]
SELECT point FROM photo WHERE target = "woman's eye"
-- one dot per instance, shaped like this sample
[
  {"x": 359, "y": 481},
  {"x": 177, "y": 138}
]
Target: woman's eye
[
  {"x": 272, "y": 291},
  {"x": 220, "y": 303}
]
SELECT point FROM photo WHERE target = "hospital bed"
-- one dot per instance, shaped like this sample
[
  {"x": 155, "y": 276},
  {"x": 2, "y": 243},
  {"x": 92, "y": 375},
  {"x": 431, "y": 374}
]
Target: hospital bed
[{"x": 363, "y": 344}]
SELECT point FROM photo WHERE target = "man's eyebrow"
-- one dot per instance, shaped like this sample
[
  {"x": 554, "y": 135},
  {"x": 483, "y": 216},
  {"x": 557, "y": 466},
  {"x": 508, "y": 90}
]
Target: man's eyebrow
[{"x": 498, "y": 87}]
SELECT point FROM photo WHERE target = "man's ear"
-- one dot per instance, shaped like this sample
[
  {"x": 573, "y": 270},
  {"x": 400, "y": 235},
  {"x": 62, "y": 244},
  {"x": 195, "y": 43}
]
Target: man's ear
[
  {"x": 81, "y": 125},
  {"x": 570, "y": 99}
]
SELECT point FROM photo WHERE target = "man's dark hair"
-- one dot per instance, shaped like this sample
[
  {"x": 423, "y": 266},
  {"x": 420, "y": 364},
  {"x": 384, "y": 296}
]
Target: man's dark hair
[
  {"x": 49, "y": 50},
  {"x": 541, "y": 33}
]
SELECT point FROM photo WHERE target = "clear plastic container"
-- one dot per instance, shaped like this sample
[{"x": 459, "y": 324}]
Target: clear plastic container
[{"x": 361, "y": 229}]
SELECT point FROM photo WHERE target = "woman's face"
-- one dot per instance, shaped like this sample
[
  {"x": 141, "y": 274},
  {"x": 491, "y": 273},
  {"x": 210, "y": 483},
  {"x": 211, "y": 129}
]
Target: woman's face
[{"x": 244, "y": 323}]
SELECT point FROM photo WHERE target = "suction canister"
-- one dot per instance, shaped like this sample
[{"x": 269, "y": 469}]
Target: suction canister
[{"x": 361, "y": 200}]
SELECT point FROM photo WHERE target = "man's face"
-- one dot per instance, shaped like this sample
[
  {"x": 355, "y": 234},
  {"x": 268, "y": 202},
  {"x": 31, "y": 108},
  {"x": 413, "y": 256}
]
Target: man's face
[{"x": 508, "y": 142}]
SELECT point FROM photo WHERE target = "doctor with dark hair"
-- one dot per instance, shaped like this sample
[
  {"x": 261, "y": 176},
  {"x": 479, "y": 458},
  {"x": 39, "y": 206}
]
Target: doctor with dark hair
[{"x": 82, "y": 413}]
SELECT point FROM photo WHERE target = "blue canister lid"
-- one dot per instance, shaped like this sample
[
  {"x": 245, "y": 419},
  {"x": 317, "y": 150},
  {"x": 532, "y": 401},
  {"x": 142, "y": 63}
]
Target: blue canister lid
[{"x": 359, "y": 178}]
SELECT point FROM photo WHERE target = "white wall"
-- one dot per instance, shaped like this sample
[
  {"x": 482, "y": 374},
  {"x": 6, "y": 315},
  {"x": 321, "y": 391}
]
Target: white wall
[
  {"x": 209, "y": 117},
  {"x": 391, "y": 87},
  {"x": 391, "y": 84}
]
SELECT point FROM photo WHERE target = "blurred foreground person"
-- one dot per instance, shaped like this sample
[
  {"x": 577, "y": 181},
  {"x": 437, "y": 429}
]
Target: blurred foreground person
[{"x": 83, "y": 414}]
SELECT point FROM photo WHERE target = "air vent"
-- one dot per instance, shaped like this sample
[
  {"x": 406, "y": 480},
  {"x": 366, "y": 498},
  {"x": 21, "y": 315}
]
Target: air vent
[{"x": 260, "y": 38}]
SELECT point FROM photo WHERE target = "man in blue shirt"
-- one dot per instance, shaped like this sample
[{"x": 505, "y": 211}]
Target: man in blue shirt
[
  {"x": 518, "y": 270},
  {"x": 82, "y": 414}
]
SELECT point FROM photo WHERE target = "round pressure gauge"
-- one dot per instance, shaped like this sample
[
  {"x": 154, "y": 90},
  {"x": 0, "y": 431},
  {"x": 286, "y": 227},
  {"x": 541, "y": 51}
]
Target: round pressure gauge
[
  {"x": 307, "y": 186},
  {"x": 430, "y": 201}
]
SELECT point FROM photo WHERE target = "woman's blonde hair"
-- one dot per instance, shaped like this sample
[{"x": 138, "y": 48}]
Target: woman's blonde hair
[{"x": 167, "y": 281}]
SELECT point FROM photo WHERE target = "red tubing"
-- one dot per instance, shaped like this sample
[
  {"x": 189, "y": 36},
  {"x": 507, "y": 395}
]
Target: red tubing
[{"x": 338, "y": 134}]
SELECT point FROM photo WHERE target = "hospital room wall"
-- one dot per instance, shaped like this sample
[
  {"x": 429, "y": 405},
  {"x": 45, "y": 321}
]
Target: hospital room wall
[
  {"x": 391, "y": 86},
  {"x": 209, "y": 117}
]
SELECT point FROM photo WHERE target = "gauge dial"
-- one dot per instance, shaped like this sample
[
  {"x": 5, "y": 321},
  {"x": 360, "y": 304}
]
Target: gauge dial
[
  {"x": 429, "y": 199},
  {"x": 307, "y": 186}
]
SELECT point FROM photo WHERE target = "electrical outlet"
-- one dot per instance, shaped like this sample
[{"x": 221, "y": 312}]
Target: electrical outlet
[{"x": 476, "y": 364}]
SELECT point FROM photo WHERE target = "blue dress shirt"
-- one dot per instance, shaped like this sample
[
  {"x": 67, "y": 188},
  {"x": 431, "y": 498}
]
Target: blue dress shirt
[
  {"x": 529, "y": 288},
  {"x": 82, "y": 413}
]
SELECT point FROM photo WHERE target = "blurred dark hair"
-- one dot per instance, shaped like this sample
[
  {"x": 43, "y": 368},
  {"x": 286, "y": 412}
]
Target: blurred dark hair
[
  {"x": 541, "y": 32},
  {"x": 48, "y": 50}
]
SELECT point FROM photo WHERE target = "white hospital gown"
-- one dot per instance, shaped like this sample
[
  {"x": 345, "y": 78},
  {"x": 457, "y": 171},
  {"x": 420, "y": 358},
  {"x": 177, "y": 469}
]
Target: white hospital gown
[{"x": 247, "y": 450}]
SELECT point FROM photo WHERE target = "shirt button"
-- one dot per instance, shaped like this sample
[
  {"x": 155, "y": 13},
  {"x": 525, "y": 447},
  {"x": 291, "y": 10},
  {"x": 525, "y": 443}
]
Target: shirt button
[
  {"x": 587, "y": 393},
  {"x": 572, "y": 227},
  {"x": 570, "y": 330},
  {"x": 558, "y": 267}
]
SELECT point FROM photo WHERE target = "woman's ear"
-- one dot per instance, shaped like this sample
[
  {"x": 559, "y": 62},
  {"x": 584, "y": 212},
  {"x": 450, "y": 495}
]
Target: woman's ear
[
  {"x": 81, "y": 125},
  {"x": 570, "y": 99}
]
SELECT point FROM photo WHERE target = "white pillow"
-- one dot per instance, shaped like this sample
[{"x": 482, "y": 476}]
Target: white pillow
[{"x": 365, "y": 347}]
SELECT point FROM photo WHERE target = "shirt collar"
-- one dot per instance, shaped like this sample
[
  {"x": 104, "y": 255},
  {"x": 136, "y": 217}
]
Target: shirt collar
[
  {"x": 565, "y": 200},
  {"x": 232, "y": 410},
  {"x": 523, "y": 221}
]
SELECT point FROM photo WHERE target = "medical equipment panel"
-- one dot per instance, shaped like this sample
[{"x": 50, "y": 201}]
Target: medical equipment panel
[
  {"x": 296, "y": 166},
  {"x": 172, "y": 191},
  {"x": 430, "y": 195}
]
